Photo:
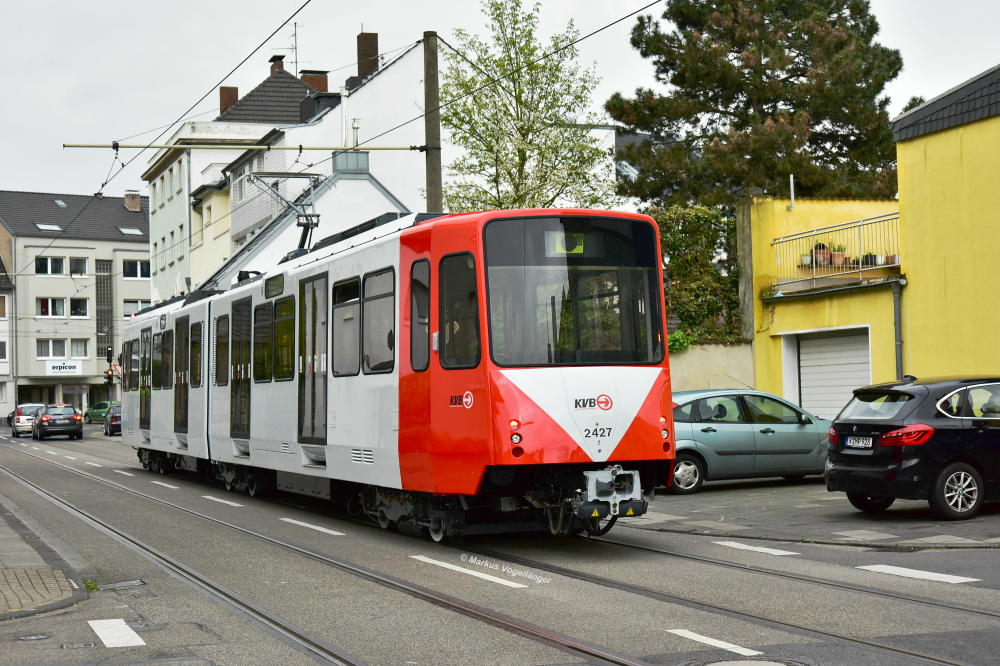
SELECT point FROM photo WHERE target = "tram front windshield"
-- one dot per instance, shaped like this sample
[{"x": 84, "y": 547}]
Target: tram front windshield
[{"x": 573, "y": 291}]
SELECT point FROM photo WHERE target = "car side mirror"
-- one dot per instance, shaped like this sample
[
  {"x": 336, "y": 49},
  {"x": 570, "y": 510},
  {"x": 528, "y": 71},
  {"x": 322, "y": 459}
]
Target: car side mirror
[{"x": 805, "y": 420}]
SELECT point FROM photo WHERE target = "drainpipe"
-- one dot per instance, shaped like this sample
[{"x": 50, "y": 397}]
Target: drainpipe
[{"x": 897, "y": 320}]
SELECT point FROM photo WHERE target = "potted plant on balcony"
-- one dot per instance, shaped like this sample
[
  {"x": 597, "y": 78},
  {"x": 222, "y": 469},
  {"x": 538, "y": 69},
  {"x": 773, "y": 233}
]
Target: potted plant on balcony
[
  {"x": 892, "y": 260},
  {"x": 822, "y": 254},
  {"x": 837, "y": 255},
  {"x": 805, "y": 260}
]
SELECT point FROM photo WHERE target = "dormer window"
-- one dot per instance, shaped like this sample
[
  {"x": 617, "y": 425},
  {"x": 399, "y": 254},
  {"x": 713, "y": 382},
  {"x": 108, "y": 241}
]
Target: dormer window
[{"x": 48, "y": 227}]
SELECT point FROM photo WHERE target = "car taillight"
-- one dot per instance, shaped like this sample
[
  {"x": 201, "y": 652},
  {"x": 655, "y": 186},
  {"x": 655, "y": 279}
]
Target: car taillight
[
  {"x": 834, "y": 437},
  {"x": 911, "y": 435},
  {"x": 45, "y": 418},
  {"x": 77, "y": 417},
  {"x": 18, "y": 411}
]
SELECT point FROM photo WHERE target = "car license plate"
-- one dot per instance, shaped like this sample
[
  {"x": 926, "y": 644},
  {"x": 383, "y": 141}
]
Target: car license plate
[
  {"x": 859, "y": 442},
  {"x": 62, "y": 421}
]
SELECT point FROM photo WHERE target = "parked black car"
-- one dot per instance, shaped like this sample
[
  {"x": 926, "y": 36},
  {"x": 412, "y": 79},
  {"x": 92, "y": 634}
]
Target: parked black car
[
  {"x": 57, "y": 420},
  {"x": 113, "y": 420},
  {"x": 935, "y": 439}
]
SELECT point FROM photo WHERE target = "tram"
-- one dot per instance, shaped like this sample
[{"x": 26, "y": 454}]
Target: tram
[{"x": 489, "y": 371}]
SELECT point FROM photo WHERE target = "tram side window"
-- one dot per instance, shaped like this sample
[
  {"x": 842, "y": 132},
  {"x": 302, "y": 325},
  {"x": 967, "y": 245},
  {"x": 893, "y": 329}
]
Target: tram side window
[
  {"x": 222, "y": 350},
  {"x": 284, "y": 338},
  {"x": 378, "y": 320},
  {"x": 157, "y": 360},
  {"x": 346, "y": 328},
  {"x": 263, "y": 339},
  {"x": 168, "y": 360},
  {"x": 125, "y": 357},
  {"x": 133, "y": 371},
  {"x": 195, "y": 355},
  {"x": 420, "y": 315},
  {"x": 459, "y": 312}
]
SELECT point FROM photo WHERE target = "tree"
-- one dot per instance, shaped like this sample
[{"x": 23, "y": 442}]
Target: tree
[
  {"x": 701, "y": 271},
  {"x": 758, "y": 90},
  {"x": 525, "y": 141}
]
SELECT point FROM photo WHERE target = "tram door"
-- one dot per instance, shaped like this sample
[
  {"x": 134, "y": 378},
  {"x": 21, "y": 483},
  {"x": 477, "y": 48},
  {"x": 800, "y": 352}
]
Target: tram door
[
  {"x": 182, "y": 334},
  {"x": 312, "y": 360},
  {"x": 145, "y": 384},
  {"x": 239, "y": 421}
]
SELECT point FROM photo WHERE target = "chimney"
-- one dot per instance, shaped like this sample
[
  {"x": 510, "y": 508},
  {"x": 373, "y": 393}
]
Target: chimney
[
  {"x": 132, "y": 201},
  {"x": 367, "y": 54},
  {"x": 227, "y": 97},
  {"x": 315, "y": 79},
  {"x": 276, "y": 63}
]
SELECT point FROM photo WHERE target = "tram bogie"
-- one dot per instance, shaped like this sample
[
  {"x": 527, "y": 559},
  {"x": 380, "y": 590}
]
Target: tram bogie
[{"x": 504, "y": 369}]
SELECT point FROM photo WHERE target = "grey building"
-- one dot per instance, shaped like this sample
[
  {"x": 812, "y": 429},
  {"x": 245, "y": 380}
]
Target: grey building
[{"x": 79, "y": 266}]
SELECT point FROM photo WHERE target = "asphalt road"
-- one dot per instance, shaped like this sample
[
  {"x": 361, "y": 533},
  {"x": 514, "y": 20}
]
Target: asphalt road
[{"x": 751, "y": 570}]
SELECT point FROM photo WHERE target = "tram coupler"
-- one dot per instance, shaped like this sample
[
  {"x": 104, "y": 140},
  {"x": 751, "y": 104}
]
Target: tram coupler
[{"x": 612, "y": 491}]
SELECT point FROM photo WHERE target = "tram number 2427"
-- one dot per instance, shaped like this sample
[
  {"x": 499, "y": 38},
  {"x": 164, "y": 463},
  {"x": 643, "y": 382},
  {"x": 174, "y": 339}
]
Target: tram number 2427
[{"x": 596, "y": 432}]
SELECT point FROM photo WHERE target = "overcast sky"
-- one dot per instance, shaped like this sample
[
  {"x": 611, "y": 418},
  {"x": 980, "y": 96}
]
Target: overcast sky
[{"x": 93, "y": 72}]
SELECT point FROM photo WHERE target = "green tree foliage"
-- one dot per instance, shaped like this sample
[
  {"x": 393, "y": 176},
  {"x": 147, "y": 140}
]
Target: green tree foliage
[
  {"x": 701, "y": 271},
  {"x": 525, "y": 141},
  {"x": 756, "y": 90}
]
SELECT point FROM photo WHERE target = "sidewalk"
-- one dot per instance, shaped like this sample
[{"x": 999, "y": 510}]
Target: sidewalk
[{"x": 33, "y": 577}]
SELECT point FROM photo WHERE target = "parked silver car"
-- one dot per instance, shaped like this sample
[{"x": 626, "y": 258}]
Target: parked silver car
[
  {"x": 24, "y": 418},
  {"x": 732, "y": 434}
]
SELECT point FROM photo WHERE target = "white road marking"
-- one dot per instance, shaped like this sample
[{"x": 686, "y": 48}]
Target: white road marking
[
  {"x": 87, "y": 462},
  {"x": 34, "y": 448},
  {"x": 221, "y": 501},
  {"x": 52, "y": 452},
  {"x": 115, "y": 633},
  {"x": 312, "y": 527},
  {"x": 118, "y": 471},
  {"x": 22, "y": 444},
  {"x": 70, "y": 458},
  {"x": 165, "y": 485},
  {"x": 757, "y": 549},
  {"x": 684, "y": 633},
  {"x": 477, "y": 574},
  {"x": 73, "y": 583},
  {"x": 917, "y": 573}
]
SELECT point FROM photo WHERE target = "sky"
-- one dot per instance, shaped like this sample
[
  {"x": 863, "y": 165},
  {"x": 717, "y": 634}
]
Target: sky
[{"x": 95, "y": 72}]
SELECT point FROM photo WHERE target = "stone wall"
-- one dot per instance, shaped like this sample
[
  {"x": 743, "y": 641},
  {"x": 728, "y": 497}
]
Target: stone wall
[{"x": 712, "y": 366}]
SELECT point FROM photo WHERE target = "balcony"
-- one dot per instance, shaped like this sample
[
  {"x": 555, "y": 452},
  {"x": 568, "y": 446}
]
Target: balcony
[{"x": 855, "y": 252}]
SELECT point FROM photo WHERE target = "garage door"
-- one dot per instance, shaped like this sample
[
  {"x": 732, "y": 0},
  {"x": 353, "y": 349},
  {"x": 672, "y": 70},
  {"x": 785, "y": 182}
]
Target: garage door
[{"x": 830, "y": 368}]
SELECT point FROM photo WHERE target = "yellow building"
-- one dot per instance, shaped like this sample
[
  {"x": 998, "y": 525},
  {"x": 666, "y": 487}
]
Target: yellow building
[
  {"x": 846, "y": 293},
  {"x": 210, "y": 222}
]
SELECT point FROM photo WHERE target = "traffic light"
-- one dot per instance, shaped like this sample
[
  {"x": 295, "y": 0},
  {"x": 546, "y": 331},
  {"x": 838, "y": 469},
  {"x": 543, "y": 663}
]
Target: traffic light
[
  {"x": 109, "y": 377},
  {"x": 110, "y": 355}
]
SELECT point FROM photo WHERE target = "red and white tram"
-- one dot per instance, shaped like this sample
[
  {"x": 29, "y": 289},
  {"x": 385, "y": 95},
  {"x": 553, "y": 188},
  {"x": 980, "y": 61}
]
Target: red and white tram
[{"x": 471, "y": 372}]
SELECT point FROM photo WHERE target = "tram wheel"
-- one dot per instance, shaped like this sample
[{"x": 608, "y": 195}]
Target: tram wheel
[
  {"x": 252, "y": 485},
  {"x": 437, "y": 531},
  {"x": 383, "y": 520},
  {"x": 160, "y": 465},
  {"x": 600, "y": 526},
  {"x": 228, "y": 484}
]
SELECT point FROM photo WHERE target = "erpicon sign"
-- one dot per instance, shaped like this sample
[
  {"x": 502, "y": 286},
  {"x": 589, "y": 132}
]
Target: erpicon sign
[{"x": 59, "y": 368}]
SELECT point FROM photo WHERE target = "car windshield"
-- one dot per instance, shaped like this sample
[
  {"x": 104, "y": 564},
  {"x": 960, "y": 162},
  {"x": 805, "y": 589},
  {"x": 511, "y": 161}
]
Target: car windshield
[
  {"x": 875, "y": 406},
  {"x": 573, "y": 291},
  {"x": 60, "y": 411}
]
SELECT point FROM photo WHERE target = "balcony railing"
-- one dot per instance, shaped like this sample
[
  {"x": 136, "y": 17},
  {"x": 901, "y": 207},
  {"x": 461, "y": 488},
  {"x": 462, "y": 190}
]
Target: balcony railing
[{"x": 844, "y": 253}]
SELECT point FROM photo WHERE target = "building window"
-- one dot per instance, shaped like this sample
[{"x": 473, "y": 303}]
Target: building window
[
  {"x": 49, "y": 266},
  {"x": 78, "y": 265},
  {"x": 133, "y": 269},
  {"x": 78, "y": 348},
  {"x": 3, "y": 306},
  {"x": 133, "y": 306},
  {"x": 78, "y": 307},
  {"x": 48, "y": 348},
  {"x": 3, "y": 350},
  {"x": 172, "y": 248},
  {"x": 50, "y": 307}
]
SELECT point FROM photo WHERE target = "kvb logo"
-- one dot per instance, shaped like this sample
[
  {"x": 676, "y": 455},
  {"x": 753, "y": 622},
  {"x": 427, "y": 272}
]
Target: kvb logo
[{"x": 602, "y": 402}]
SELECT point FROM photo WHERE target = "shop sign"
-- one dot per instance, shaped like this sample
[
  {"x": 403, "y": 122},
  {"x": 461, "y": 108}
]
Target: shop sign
[{"x": 63, "y": 368}]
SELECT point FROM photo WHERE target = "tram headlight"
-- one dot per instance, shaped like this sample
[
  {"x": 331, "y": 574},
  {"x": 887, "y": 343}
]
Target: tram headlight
[
  {"x": 664, "y": 433},
  {"x": 515, "y": 438},
  {"x": 514, "y": 424}
]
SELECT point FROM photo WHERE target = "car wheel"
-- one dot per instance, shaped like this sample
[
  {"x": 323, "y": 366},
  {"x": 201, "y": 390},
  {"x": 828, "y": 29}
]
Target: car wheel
[
  {"x": 870, "y": 503},
  {"x": 86, "y": 418},
  {"x": 40, "y": 436},
  {"x": 957, "y": 493},
  {"x": 689, "y": 474},
  {"x": 13, "y": 433}
]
